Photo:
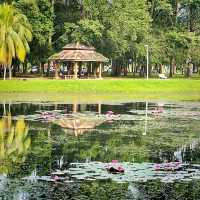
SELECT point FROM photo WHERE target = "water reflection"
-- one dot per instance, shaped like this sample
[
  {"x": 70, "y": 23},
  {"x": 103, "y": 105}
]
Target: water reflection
[
  {"x": 146, "y": 116},
  {"x": 44, "y": 140},
  {"x": 79, "y": 124},
  {"x": 14, "y": 143}
]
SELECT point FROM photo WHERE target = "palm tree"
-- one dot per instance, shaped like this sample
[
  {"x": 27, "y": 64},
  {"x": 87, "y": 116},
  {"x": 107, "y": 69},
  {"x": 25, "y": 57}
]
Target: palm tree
[{"x": 15, "y": 33}]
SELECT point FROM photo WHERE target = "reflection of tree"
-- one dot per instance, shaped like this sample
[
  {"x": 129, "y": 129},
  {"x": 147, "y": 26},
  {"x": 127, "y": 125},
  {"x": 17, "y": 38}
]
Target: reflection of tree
[
  {"x": 157, "y": 190},
  {"x": 114, "y": 143},
  {"x": 14, "y": 143},
  {"x": 189, "y": 153},
  {"x": 40, "y": 157},
  {"x": 124, "y": 141},
  {"x": 103, "y": 190}
]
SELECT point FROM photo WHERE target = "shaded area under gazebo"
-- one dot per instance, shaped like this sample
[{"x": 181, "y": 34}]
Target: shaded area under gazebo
[{"x": 80, "y": 60}]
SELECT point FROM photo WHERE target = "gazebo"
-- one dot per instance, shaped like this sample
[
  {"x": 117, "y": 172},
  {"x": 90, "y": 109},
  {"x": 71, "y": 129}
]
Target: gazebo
[{"x": 75, "y": 55}]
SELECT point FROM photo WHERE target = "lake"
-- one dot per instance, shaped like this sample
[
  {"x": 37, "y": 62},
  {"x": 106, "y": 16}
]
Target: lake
[{"x": 51, "y": 150}]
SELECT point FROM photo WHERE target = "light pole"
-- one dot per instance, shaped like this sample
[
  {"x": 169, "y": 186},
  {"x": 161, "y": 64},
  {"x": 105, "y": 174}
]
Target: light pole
[{"x": 147, "y": 48}]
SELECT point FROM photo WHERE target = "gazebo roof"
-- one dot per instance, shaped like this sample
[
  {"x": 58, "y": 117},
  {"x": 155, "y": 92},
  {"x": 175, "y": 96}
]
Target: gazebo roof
[
  {"x": 78, "y": 52},
  {"x": 78, "y": 46}
]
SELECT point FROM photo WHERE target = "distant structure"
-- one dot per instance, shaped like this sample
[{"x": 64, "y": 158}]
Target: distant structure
[{"x": 80, "y": 61}]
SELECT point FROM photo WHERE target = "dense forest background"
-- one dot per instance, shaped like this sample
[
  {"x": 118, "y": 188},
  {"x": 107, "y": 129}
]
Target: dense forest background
[{"x": 119, "y": 29}]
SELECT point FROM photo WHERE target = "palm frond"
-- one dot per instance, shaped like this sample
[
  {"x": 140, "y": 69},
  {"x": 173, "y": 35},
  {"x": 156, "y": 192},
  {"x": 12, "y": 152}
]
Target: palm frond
[{"x": 15, "y": 33}]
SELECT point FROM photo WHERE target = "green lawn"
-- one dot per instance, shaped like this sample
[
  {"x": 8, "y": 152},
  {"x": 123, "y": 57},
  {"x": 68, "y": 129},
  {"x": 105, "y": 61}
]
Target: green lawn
[{"x": 108, "y": 89}]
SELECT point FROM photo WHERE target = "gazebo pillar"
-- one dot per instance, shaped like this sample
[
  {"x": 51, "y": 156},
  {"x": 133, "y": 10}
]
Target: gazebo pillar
[
  {"x": 100, "y": 70},
  {"x": 94, "y": 71},
  {"x": 57, "y": 65},
  {"x": 75, "y": 70},
  {"x": 91, "y": 67}
]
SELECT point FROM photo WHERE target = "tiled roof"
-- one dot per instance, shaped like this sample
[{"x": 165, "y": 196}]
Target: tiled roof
[{"x": 78, "y": 52}]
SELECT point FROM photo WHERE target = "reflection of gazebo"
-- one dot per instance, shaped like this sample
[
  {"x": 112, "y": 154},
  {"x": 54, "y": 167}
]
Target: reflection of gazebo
[
  {"x": 79, "y": 125},
  {"x": 75, "y": 54}
]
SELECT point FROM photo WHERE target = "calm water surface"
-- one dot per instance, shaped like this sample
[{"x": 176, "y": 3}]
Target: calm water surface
[{"x": 60, "y": 151}]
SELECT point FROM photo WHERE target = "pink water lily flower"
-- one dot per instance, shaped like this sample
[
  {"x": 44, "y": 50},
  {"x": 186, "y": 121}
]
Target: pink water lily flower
[
  {"x": 115, "y": 167},
  {"x": 115, "y": 161},
  {"x": 56, "y": 178}
]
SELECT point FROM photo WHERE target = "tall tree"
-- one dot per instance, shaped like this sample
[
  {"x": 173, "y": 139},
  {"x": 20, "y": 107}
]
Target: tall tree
[
  {"x": 15, "y": 34},
  {"x": 40, "y": 14}
]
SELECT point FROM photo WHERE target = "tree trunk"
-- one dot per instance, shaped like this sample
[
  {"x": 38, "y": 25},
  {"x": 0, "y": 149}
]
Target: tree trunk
[
  {"x": 175, "y": 13},
  {"x": 161, "y": 69},
  {"x": 132, "y": 68},
  {"x": 142, "y": 71},
  {"x": 10, "y": 71},
  {"x": 4, "y": 72},
  {"x": 125, "y": 69},
  {"x": 135, "y": 66},
  {"x": 25, "y": 67},
  {"x": 42, "y": 68},
  {"x": 171, "y": 68},
  {"x": 117, "y": 68},
  {"x": 47, "y": 74},
  {"x": 14, "y": 71},
  {"x": 174, "y": 68},
  {"x": 188, "y": 71},
  {"x": 150, "y": 70}
]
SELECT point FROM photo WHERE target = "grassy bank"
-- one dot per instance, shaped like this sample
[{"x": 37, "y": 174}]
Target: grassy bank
[{"x": 108, "y": 89}]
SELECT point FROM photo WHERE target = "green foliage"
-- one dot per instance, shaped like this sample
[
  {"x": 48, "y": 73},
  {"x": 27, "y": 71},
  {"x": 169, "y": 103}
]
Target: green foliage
[
  {"x": 15, "y": 34},
  {"x": 129, "y": 26},
  {"x": 86, "y": 31},
  {"x": 103, "y": 23},
  {"x": 161, "y": 12},
  {"x": 119, "y": 29},
  {"x": 40, "y": 15}
]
